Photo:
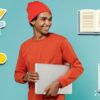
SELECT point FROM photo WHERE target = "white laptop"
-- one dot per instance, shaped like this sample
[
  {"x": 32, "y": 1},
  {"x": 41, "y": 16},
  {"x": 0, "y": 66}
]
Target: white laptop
[{"x": 48, "y": 73}]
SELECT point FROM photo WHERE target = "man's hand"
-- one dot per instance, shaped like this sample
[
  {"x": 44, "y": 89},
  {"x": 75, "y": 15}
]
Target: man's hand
[
  {"x": 31, "y": 77},
  {"x": 52, "y": 90}
]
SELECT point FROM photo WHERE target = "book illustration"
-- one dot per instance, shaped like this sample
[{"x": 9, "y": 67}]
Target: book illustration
[{"x": 89, "y": 21}]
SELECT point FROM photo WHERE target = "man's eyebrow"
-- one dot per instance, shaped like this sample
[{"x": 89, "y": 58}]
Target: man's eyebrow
[{"x": 46, "y": 17}]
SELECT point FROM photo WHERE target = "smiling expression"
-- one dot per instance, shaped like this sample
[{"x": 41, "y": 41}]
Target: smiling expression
[{"x": 43, "y": 23}]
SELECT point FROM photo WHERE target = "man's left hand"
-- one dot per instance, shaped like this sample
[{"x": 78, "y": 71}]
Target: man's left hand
[{"x": 52, "y": 90}]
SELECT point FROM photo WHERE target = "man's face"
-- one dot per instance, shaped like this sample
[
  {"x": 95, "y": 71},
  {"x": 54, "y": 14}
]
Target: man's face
[{"x": 42, "y": 23}]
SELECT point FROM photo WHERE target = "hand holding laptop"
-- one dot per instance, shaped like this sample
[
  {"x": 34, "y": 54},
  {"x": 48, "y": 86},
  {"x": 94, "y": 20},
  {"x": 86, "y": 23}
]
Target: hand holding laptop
[
  {"x": 31, "y": 77},
  {"x": 48, "y": 76},
  {"x": 52, "y": 89}
]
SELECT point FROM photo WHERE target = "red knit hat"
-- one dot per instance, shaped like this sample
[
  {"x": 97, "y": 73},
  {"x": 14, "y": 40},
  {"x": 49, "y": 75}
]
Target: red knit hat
[{"x": 35, "y": 8}]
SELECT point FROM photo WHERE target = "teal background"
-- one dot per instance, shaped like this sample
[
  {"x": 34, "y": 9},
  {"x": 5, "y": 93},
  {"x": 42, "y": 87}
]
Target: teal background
[{"x": 65, "y": 22}]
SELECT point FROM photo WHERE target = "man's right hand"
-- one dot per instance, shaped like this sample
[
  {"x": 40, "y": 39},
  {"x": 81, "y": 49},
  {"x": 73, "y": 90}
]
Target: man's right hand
[{"x": 31, "y": 77}]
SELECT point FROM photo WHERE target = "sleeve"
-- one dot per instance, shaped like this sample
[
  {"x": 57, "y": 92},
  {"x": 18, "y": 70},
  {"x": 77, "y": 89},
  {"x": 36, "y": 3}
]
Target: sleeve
[
  {"x": 76, "y": 66},
  {"x": 20, "y": 70}
]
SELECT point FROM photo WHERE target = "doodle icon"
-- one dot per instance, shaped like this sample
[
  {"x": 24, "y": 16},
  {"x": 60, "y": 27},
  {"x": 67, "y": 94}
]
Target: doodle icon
[
  {"x": 3, "y": 58},
  {"x": 2, "y": 12},
  {"x": 2, "y": 24}
]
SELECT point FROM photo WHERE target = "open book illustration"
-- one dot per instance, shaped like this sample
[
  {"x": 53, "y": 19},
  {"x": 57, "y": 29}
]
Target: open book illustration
[{"x": 89, "y": 20}]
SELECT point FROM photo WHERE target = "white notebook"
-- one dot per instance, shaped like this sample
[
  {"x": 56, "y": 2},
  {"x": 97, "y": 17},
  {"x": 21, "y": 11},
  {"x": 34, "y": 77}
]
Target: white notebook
[
  {"x": 99, "y": 77},
  {"x": 49, "y": 73}
]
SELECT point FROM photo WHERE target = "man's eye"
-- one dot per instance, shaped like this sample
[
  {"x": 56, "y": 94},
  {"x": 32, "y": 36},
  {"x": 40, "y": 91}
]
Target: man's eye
[
  {"x": 43, "y": 19},
  {"x": 50, "y": 19}
]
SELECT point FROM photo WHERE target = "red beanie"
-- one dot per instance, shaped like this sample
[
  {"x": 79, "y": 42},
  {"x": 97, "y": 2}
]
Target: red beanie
[{"x": 35, "y": 8}]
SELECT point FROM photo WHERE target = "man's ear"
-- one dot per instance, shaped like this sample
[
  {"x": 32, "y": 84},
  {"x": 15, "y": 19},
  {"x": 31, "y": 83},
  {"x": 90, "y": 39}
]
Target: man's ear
[{"x": 32, "y": 22}]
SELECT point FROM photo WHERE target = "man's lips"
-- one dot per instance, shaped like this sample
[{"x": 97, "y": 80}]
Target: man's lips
[{"x": 45, "y": 28}]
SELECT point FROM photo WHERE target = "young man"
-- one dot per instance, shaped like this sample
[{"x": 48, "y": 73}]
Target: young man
[{"x": 45, "y": 47}]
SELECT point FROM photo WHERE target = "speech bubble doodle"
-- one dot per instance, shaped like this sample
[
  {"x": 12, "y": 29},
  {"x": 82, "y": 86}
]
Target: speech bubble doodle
[
  {"x": 2, "y": 12},
  {"x": 2, "y": 24},
  {"x": 3, "y": 58}
]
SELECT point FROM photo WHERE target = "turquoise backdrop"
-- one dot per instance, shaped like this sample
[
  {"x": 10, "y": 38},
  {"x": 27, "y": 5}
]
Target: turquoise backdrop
[{"x": 65, "y": 22}]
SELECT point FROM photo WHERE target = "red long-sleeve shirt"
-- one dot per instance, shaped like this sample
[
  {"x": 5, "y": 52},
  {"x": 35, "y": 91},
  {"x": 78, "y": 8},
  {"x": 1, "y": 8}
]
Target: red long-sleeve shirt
[{"x": 54, "y": 49}]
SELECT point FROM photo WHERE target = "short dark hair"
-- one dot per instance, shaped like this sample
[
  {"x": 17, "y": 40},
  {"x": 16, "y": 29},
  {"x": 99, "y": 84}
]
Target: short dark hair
[{"x": 32, "y": 20}]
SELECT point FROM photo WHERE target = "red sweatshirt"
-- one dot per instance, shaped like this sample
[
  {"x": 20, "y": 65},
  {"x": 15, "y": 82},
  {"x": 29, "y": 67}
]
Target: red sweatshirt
[{"x": 54, "y": 49}]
